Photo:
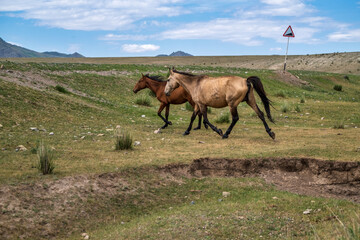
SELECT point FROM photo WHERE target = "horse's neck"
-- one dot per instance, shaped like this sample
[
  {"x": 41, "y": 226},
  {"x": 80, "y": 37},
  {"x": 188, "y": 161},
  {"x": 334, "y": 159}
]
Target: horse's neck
[
  {"x": 188, "y": 84},
  {"x": 153, "y": 85}
]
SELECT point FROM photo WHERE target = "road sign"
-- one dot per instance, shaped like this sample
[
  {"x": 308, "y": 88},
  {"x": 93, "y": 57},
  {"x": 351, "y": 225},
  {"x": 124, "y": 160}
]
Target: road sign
[{"x": 289, "y": 32}]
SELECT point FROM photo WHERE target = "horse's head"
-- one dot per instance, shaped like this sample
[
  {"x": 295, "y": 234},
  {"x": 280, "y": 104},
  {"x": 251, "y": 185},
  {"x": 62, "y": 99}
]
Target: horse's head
[
  {"x": 172, "y": 83},
  {"x": 141, "y": 84}
]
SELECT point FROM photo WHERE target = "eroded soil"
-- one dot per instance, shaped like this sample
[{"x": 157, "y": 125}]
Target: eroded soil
[{"x": 42, "y": 210}]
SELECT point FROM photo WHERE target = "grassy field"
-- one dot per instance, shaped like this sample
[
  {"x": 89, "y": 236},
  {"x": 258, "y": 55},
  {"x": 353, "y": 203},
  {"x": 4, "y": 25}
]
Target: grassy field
[{"x": 311, "y": 121}]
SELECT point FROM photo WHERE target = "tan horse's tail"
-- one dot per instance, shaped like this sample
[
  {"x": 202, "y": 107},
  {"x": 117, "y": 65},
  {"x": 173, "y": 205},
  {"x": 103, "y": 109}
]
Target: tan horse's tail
[{"x": 259, "y": 88}]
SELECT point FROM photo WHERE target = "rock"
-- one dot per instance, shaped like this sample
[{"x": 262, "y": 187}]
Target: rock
[
  {"x": 137, "y": 143},
  {"x": 225, "y": 194},
  {"x": 157, "y": 131},
  {"x": 274, "y": 197},
  {"x": 143, "y": 116},
  {"x": 192, "y": 202},
  {"x": 118, "y": 126},
  {"x": 307, "y": 211},
  {"x": 34, "y": 129},
  {"x": 100, "y": 135},
  {"x": 82, "y": 137},
  {"x": 51, "y": 133},
  {"x": 201, "y": 142},
  {"x": 322, "y": 118},
  {"x": 109, "y": 129},
  {"x": 21, "y": 148},
  {"x": 85, "y": 236},
  {"x": 1, "y": 125}
]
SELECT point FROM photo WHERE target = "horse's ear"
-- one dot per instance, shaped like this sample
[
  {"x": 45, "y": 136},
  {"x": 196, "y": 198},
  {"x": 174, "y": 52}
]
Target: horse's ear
[
  {"x": 171, "y": 70},
  {"x": 142, "y": 75}
]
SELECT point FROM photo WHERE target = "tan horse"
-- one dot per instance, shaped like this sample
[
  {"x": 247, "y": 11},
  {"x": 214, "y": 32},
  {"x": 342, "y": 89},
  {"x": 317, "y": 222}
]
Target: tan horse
[{"x": 219, "y": 92}]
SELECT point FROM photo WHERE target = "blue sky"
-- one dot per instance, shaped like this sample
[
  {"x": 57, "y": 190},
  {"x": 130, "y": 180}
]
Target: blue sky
[{"x": 100, "y": 28}]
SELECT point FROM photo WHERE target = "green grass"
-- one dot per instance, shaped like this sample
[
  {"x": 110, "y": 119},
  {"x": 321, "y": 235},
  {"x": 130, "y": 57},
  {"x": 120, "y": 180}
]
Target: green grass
[
  {"x": 143, "y": 100},
  {"x": 83, "y": 125},
  {"x": 223, "y": 118}
]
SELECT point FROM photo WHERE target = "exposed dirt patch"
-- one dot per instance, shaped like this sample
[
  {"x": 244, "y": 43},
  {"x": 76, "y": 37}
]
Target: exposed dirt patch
[
  {"x": 299, "y": 175},
  {"x": 287, "y": 77}
]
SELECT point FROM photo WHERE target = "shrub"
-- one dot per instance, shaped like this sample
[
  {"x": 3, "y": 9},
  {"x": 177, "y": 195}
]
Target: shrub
[
  {"x": 302, "y": 100},
  {"x": 46, "y": 163},
  {"x": 143, "y": 100},
  {"x": 297, "y": 108},
  {"x": 209, "y": 110},
  {"x": 223, "y": 118},
  {"x": 61, "y": 89},
  {"x": 338, "y": 87},
  {"x": 285, "y": 108},
  {"x": 123, "y": 140},
  {"x": 189, "y": 107}
]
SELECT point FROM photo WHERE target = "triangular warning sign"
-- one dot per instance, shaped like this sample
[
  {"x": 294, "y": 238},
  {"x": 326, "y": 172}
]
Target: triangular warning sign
[{"x": 289, "y": 32}]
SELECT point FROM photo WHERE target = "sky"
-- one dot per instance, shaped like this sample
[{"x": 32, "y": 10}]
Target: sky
[{"x": 118, "y": 28}]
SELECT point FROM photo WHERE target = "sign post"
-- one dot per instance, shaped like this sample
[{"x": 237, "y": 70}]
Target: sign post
[{"x": 288, "y": 33}]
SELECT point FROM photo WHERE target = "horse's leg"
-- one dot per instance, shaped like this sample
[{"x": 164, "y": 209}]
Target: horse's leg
[
  {"x": 162, "y": 106},
  {"x": 167, "y": 110},
  {"x": 193, "y": 116},
  {"x": 235, "y": 118},
  {"x": 203, "y": 110},
  {"x": 251, "y": 102}
]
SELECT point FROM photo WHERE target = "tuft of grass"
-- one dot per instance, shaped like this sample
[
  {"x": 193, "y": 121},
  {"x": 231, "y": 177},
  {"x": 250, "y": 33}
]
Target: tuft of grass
[
  {"x": 285, "y": 107},
  {"x": 61, "y": 89},
  {"x": 297, "y": 108},
  {"x": 338, "y": 87},
  {"x": 189, "y": 107},
  {"x": 143, "y": 100},
  {"x": 281, "y": 94},
  {"x": 302, "y": 100},
  {"x": 46, "y": 163},
  {"x": 151, "y": 93},
  {"x": 339, "y": 125},
  {"x": 123, "y": 140},
  {"x": 223, "y": 118}
]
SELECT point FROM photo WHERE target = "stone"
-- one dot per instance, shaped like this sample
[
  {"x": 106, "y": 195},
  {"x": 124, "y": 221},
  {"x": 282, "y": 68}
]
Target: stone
[
  {"x": 21, "y": 148},
  {"x": 225, "y": 194},
  {"x": 1, "y": 125},
  {"x": 118, "y": 126},
  {"x": 34, "y": 129},
  {"x": 143, "y": 116},
  {"x": 157, "y": 131},
  {"x": 51, "y": 133},
  {"x": 307, "y": 211},
  {"x": 137, "y": 143},
  {"x": 100, "y": 135},
  {"x": 109, "y": 129},
  {"x": 201, "y": 142}
]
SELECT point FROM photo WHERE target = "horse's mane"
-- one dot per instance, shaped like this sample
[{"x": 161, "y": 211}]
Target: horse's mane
[
  {"x": 155, "y": 78},
  {"x": 184, "y": 73},
  {"x": 192, "y": 76}
]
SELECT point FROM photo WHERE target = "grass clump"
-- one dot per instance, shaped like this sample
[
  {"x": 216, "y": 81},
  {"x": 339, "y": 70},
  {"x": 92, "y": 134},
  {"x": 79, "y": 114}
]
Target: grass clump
[
  {"x": 223, "y": 118},
  {"x": 297, "y": 108},
  {"x": 302, "y": 100},
  {"x": 338, "y": 87},
  {"x": 280, "y": 94},
  {"x": 143, "y": 100},
  {"x": 61, "y": 89},
  {"x": 285, "y": 107},
  {"x": 151, "y": 93},
  {"x": 189, "y": 107},
  {"x": 45, "y": 164},
  {"x": 339, "y": 125},
  {"x": 123, "y": 140}
]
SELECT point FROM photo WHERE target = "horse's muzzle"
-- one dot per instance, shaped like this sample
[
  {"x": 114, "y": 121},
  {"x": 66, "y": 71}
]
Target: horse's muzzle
[
  {"x": 167, "y": 94},
  {"x": 135, "y": 91}
]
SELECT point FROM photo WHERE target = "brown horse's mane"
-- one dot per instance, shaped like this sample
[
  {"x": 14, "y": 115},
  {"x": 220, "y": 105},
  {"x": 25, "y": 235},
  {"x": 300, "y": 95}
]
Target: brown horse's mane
[{"x": 155, "y": 77}]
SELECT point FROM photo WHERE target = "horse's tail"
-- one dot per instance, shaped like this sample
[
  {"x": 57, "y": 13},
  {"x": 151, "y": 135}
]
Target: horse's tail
[{"x": 255, "y": 81}]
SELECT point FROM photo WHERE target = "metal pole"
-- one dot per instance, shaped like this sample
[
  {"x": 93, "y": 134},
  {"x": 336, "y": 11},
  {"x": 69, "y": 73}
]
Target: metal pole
[{"x": 287, "y": 47}]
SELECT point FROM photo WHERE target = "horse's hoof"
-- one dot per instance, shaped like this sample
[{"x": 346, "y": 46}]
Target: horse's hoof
[
  {"x": 197, "y": 128},
  {"x": 170, "y": 123},
  {"x": 220, "y": 132},
  {"x": 272, "y": 135},
  {"x": 164, "y": 126},
  {"x": 206, "y": 126},
  {"x": 225, "y": 136},
  {"x": 186, "y": 133}
]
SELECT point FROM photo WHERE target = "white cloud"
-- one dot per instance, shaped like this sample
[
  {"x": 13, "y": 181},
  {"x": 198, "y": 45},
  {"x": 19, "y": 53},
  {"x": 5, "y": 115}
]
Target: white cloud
[
  {"x": 73, "y": 48},
  {"x": 350, "y": 35},
  {"x": 90, "y": 14},
  {"x": 276, "y": 49},
  {"x": 124, "y": 37},
  {"x": 136, "y": 48}
]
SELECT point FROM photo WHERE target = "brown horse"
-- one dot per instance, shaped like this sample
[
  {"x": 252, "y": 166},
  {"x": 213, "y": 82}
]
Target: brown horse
[
  {"x": 219, "y": 92},
  {"x": 157, "y": 86}
]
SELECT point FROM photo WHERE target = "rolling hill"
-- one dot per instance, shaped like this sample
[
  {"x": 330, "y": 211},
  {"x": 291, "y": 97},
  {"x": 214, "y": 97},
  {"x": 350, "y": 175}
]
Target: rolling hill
[{"x": 8, "y": 50}]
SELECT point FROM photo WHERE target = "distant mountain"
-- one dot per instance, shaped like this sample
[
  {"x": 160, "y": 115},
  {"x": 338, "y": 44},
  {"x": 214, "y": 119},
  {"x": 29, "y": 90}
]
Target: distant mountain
[
  {"x": 175, "y": 54},
  {"x": 8, "y": 50}
]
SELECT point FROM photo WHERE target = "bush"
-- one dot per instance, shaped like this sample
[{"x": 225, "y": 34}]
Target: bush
[
  {"x": 143, "y": 100},
  {"x": 302, "y": 100},
  {"x": 223, "y": 118},
  {"x": 123, "y": 140},
  {"x": 46, "y": 163},
  {"x": 339, "y": 125},
  {"x": 61, "y": 89},
  {"x": 151, "y": 93},
  {"x": 338, "y": 87}
]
